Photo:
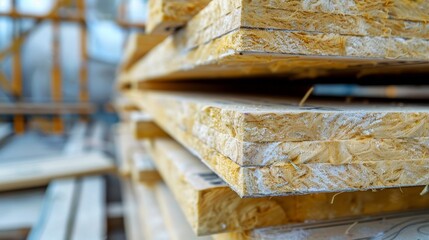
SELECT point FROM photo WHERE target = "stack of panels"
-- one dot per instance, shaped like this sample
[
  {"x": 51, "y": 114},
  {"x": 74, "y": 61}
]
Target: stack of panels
[
  {"x": 167, "y": 15},
  {"x": 386, "y": 226},
  {"x": 150, "y": 211},
  {"x": 229, "y": 134},
  {"x": 237, "y": 38},
  {"x": 212, "y": 207},
  {"x": 267, "y": 147},
  {"x": 136, "y": 47},
  {"x": 246, "y": 167}
]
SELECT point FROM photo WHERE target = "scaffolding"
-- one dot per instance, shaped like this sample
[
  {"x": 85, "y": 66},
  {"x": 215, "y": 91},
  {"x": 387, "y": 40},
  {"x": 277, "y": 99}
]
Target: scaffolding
[{"x": 14, "y": 86}]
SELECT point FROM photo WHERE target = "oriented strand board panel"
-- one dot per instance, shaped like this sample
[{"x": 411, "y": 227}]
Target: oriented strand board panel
[
  {"x": 143, "y": 127},
  {"x": 167, "y": 15},
  {"x": 265, "y": 121},
  {"x": 123, "y": 146},
  {"x": 124, "y": 107},
  {"x": 173, "y": 216},
  {"x": 396, "y": 9},
  {"x": 211, "y": 206},
  {"x": 256, "y": 131},
  {"x": 407, "y": 225},
  {"x": 143, "y": 170},
  {"x": 238, "y": 38},
  {"x": 150, "y": 213},
  {"x": 136, "y": 47},
  {"x": 132, "y": 221}
]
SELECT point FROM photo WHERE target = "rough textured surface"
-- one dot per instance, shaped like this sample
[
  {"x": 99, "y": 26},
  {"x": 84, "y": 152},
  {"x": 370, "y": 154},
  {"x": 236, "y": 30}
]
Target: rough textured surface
[
  {"x": 268, "y": 18},
  {"x": 212, "y": 207},
  {"x": 209, "y": 205},
  {"x": 396, "y": 9},
  {"x": 252, "y": 131},
  {"x": 166, "y": 15},
  {"x": 174, "y": 217},
  {"x": 143, "y": 170},
  {"x": 247, "y": 38},
  {"x": 284, "y": 178},
  {"x": 326, "y": 151},
  {"x": 264, "y": 119},
  {"x": 145, "y": 129},
  {"x": 151, "y": 220},
  {"x": 137, "y": 46},
  {"x": 405, "y": 225}
]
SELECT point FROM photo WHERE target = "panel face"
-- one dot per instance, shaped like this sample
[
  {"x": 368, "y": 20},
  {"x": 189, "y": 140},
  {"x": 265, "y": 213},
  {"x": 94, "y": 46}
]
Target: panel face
[
  {"x": 211, "y": 206},
  {"x": 242, "y": 119},
  {"x": 167, "y": 15},
  {"x": 291, "y": 38}
]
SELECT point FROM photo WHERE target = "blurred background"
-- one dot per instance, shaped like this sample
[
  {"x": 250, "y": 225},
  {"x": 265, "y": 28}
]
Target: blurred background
[
  {"x": 70, "y": 60},
  {"x": 57, "y": 74}
]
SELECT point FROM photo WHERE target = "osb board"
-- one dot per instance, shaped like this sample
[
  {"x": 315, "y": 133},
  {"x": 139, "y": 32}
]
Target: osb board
[
  {"x": 151, "y": 220},
  {"x": 262, "y": 131},
  {"x": 174, "y": 218},
  {"x": 145, "y": 128},
  {"x": 143, "y": 170},
  {"x": 285, "y": 178},
  {"x": 407, "y": 225},
  {"x": 123, "y": 146},
  {"x": 396, "y": 9},
  {"x": 228, "y": 34},
  {"x": 137, "y": 45},
  {"x": 212, "y": 207},
  {"x": 167, "y": 15},
  {"x": 132, "y": 221},
  {"x": 124, "y": 107}
]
